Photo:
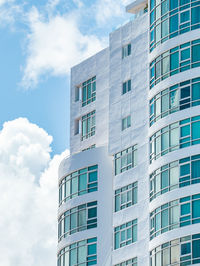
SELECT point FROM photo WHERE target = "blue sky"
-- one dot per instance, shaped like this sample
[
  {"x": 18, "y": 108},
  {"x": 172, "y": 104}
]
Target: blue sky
[
  {"x": 32, "y": 86},
  {"x": 40, "y": 40}
]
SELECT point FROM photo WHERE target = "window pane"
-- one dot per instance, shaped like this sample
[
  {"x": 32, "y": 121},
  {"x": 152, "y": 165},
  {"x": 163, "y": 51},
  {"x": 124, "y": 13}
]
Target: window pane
[
  {"x": 92, "y": 176},
  {"x": 165, "y": 218},
  {"x": 158, "y": 222},
  {"x": 73, "y": 220},
  {"x": 117, "y": 235},
  {"x": 165, "y": 7},
  {"x": 196, "y": 169},
  {"x": 67, "y": 188},
  {"x": 185, "y": 209},
  {"x": 174, "y": 176},
  {"x": 173, "y": 4},
  {"x": 92, "y": 249},
  {"x": 74, "y": 185},
  {"x": 196, "y": 15},
  {"x": 158, "y": 145},
  {"x": 82, "y": 218},
  {"x": 82, "y": 182},
  {"x": 173, "y": 22},
  {"x": 196, "y": 209},
  {"x": 175, "y": 254},
  {"x": 185, "y": 92},
  {"x": 174, "y": 99},
  {"x": 174, "y": 61},
  {"x": 174, "y": 137},
  {"x": 185, "y": 248},
  {"x": 82, "y": 254},
  {"x": 196, "y": 91},
  {"x": 73, "y": 257},
  {"x": 196, "y": 53},
  {"x": 196, "y": 130},
  {"x": 174, "y": 215},
  {"x": 195, "y": 248},
  {"x": 165, "y": 180},
  {"x": 166, "y": 257},
  {"x": 165, "y": 141},
  {"x": 185, "y": 131},
  {"x": 165, "y": 30},
  {"x": 117, "y": 203},
  {"x": 165, "y": 103},
  {"x": 184, "y": 16},
  {"x": 185, "y": 169},
  {"x": 84, "y": 127},
  {"x": 92, "y": 212}
]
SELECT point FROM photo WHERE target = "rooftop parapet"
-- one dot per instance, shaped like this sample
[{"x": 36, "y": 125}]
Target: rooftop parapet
[{"x": 137, "y": 6}]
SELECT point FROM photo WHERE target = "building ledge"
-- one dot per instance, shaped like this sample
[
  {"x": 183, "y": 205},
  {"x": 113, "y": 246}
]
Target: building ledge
[{"x": 136, "y": 6}]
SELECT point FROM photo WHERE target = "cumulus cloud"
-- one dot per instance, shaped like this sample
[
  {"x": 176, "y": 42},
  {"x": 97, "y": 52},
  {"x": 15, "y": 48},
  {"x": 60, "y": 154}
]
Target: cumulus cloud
[
  {"x": 54, "y": 45},
  {"x": 29, "y": 195}
]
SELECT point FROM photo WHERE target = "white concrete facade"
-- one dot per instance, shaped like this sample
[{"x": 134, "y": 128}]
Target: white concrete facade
[{"x": 111, "y": 107}]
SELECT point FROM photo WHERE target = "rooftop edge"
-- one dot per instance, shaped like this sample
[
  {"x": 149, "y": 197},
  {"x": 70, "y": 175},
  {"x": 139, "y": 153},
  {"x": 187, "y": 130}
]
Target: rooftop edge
[{"x": 136, "y": 6}]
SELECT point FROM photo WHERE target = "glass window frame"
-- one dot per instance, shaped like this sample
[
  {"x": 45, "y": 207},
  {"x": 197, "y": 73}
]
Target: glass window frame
[{"x": 92, "y": 186}]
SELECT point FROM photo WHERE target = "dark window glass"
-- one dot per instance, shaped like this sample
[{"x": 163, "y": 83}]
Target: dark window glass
[
  {"x": 196, "y": 15},
  {"x": 196, "y": 53},
  {"x": 174, "y": 61}
]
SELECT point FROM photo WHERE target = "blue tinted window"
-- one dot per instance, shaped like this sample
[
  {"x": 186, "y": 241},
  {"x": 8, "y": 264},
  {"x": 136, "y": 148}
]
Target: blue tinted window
[
  {"x": 196, "y": 53},
  {"x": 173, "y": 23},
  {"x": 185, "y": 131},
  {"x": 196, "y": 15},
  {"x": 92, "y": 249},
  {"x": 183, "y": 2},
  {"x": 92, "y": 212},
  {"x": 196, "y": 209},
  {"x": 196, "y": 130},
  {"x": 185, "y": 169},
  {"x": 196, "y": 169},
  {"x": 173, "y": 4},
  {"x": 185, "y": 248},
  {"x": 185, "y": 209},
  {"x": 195, "y": 248},
  {"x": 92, "y": 176},
  {"x": 185, "y": 92},
  {"x": 184, "y": 16},
  {"x": 174, "y": 61},
  {"x": 185, "y": 54},
  {"x": 196, "y": 91}
]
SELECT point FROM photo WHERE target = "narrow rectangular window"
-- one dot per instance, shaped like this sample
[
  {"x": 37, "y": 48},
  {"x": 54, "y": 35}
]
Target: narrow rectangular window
[
  {"x": 88, "y": 125},
  {"x": 126, "y": 86},
  {"x": 88, "y": 89},
  {"x": 126, "y": 122},
  {"x": 126, "y": 50}
]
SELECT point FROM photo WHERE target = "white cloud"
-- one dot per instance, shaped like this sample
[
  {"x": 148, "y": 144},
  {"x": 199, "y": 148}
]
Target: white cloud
[
  {"x": 55, "y": 45},
  {"x": 108, "y": 9},
  {"x": 28, "y": 209}
]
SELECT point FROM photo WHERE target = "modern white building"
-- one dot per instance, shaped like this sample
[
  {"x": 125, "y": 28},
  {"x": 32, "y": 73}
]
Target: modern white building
[{"x": 129, "y": 193}]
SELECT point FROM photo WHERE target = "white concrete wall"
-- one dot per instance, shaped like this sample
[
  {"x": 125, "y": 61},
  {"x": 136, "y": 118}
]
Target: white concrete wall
[
  {"x": 104, "y": 196},
  {"x": 97, "y": 65},
  {"x": 135, "y": 102}
]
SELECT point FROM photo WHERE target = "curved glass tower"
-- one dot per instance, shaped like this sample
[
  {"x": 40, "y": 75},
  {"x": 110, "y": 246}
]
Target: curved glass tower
[{"x": 129, "y": 193}]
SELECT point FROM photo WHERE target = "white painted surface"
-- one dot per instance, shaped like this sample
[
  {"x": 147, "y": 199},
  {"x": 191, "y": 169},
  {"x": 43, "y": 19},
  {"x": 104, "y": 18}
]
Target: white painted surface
[{"x": 111, "y": 106}]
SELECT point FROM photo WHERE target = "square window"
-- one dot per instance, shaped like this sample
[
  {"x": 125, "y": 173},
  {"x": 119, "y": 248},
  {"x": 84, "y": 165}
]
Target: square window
[
  {"x": 184, "y": 16},
  {"x": 185, "y": 54},
  {"x": 185, "y": 248}
]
